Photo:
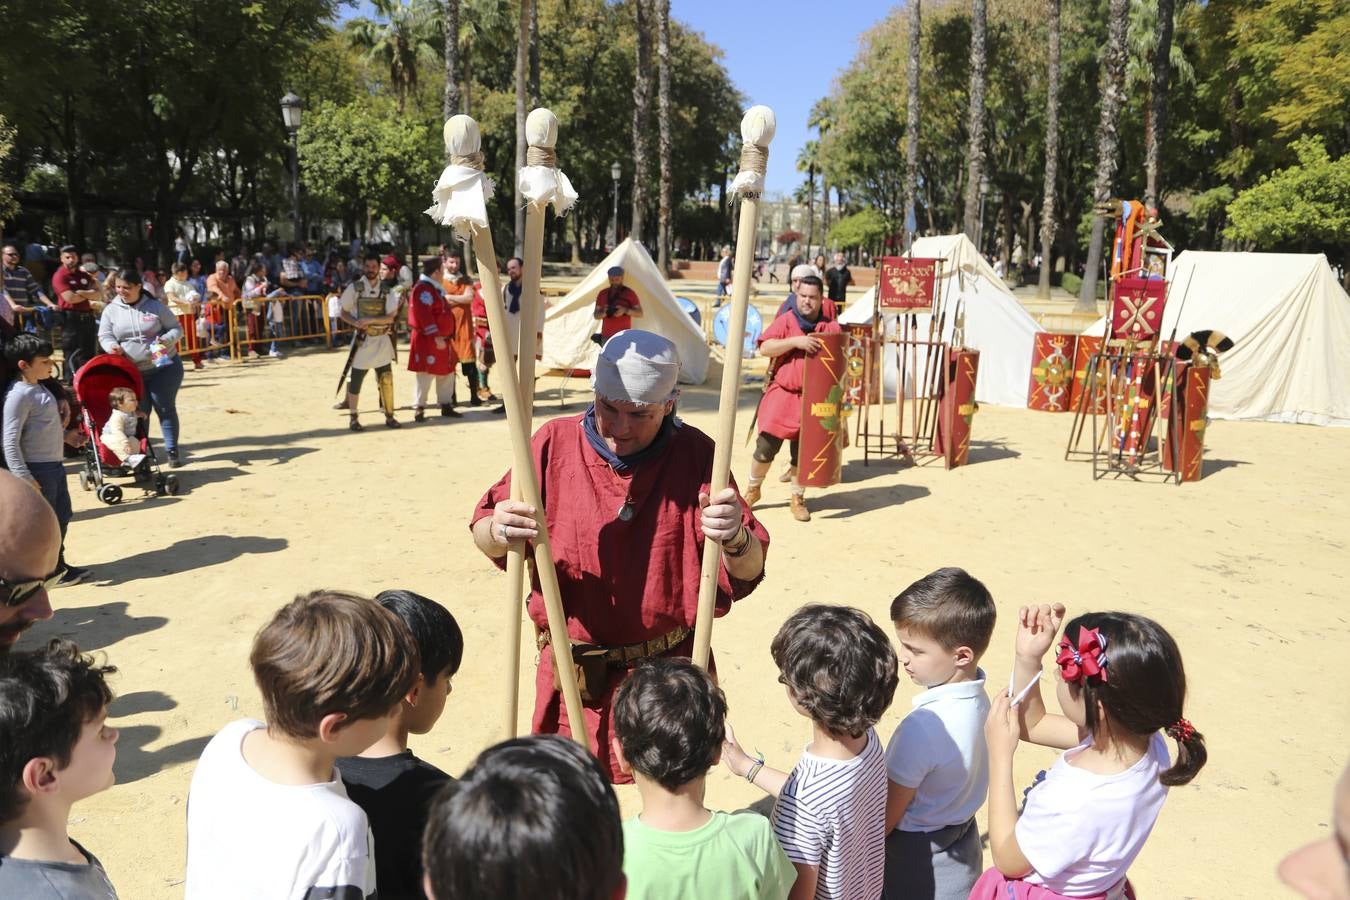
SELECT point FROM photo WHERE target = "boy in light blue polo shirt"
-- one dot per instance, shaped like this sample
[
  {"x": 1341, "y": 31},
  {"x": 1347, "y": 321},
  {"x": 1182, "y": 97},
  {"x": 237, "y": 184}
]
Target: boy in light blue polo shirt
[{"x": 937, "y": 763}]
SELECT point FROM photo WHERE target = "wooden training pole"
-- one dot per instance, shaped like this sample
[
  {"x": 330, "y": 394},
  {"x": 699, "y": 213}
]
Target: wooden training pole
[
  {"x": 463, "y": 139},
  {"x": 538, "y": 188},
  {"x": 757, "y": 128}
]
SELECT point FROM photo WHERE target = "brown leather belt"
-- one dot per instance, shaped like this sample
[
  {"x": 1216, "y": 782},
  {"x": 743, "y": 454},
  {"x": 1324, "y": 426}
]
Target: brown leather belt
[{"x": 623, "y": 654}]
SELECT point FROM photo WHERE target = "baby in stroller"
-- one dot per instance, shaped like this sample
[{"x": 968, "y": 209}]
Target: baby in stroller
[
  {"x": 109, "y": 389},
  {"x": 119, "y": 432}
]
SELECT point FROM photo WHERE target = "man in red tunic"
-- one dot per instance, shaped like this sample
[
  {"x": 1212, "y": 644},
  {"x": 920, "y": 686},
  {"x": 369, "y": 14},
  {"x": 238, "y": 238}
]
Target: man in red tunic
[
  {"x": 430, "y": 356},
  {"x": 625, "y": 490},
  {"x": 615, "y": 307},
  {"x": 788, "y": 341}
]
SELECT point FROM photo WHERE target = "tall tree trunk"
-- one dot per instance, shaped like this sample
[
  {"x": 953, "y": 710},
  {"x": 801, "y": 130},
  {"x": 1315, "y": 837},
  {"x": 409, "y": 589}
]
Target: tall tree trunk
[
  {"x": 641, "y": 103},
  {"x": 522, "y": 65},
  {"x": 1108, "y": 144},
  {"x": 450, "y": 100},
  {"x": 1162, "y": 74},
  {"x": 825, "y": 210},
  {"x": 912, "y": 123},
  {"x": 975, "y": 153},
  {"x": 1051, "y": 153},
  {"x": 533, "y": 76},
  {"x": 810, "y": 207},
  {"x": 663, "y": 236}
]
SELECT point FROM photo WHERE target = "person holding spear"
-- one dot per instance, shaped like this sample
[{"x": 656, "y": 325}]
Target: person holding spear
[{"x": 625, "y": 487}]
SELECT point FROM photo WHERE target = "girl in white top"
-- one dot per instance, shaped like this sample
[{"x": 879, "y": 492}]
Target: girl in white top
[{"x": 1120, "y": 683}]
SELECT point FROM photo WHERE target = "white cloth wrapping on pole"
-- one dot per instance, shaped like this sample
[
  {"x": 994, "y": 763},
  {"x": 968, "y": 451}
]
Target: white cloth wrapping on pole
[
  {"x": 747, "y": 182},
  {"x": 461, "y": 197},
  {"x": 543, "y": 184}
]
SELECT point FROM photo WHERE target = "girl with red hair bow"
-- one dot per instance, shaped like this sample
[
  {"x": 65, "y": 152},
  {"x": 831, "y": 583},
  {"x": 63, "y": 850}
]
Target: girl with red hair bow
[{"x": 1121, "y": 685}]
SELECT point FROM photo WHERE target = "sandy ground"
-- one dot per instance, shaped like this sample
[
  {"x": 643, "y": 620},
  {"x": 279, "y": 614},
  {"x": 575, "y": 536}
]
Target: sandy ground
[{"x": 1246, "y": 568}]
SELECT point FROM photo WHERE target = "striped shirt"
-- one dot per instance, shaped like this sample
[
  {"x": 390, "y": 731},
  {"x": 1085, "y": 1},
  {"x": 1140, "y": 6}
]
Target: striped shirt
[
  {"x": 832, "y": 814},
  {"x": 22, "y": 289}
]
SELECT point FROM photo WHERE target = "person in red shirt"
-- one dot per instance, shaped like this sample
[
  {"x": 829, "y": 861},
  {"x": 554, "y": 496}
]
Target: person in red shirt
[
  {"x": 788, "y": 341},
  {"x": 431, "y": 327},
  {"x": 74, "y": 288},
  {"x": 615, "y": 307},
  {"x": 625, "y": 488}
]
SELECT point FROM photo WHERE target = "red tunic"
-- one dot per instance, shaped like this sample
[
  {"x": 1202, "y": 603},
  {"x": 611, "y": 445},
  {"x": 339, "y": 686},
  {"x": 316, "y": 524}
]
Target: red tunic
[
  {"x": 621, "y": 582},
  {"x": 428, "y": 321},
  {"x": 780, "y": 410},
  {"x": 624, "y": 299}
]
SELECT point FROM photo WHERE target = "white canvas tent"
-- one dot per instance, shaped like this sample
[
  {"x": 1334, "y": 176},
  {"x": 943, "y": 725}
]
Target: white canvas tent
[
  {"x": 996, "y": 324},
  {"x": 1290, "y": 323},
  {"x": 570, "y": 322}
]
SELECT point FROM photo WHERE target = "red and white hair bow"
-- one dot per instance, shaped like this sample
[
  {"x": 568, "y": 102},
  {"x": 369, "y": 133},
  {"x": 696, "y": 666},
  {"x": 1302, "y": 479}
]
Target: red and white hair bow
[{"x": 1084, "y": 661}]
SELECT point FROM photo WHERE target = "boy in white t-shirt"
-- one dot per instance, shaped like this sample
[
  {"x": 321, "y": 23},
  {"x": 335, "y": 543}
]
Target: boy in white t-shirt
[
  {"x": 840, "y": 672},
  {"x": 268, "y": 816},
  {"x": 937, "y": 761}
]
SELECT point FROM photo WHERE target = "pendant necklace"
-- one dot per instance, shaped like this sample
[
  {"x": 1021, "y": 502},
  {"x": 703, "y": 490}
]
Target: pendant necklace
[{"x": 626, "y": 511}]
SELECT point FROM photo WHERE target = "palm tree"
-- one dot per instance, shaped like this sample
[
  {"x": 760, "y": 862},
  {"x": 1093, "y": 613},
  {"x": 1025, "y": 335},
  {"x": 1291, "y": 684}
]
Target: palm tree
[
  {"x": 450, "y": 102},
  {"x": 522, "y": 64},
  {"x": 1154, "y": 63},
  {"x": 1051, "y": 152},
  {"x": 406, "y": 36},
  {"x": 642, "y": 65},
  {"x": 1108, "y": 143},
  {"x": 806, "y": 162},
  {"x": 822, "y": 119},
  {"x": 975, "y": 153},
  {"x": 663, "y": 115},
  {"x": 912, "y": 121}
]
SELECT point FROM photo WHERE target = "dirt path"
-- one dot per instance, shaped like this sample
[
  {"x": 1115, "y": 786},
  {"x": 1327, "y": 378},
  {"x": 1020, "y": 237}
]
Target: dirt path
[{"x": 1246, "y": 568}]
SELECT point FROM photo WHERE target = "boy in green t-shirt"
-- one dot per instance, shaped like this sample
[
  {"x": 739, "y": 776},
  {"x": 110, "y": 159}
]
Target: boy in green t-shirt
[{"x": 669, "y": 723}]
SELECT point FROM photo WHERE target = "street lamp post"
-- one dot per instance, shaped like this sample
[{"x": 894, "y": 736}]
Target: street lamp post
[
  {"x": 290, "y": 115},
  {"x": 984, "y": 192},
  {"x": 615, "y": 172}
]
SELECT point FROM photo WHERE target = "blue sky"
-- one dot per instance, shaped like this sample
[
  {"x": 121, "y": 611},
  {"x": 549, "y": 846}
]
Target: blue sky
[{"x": 783, "y": 54}]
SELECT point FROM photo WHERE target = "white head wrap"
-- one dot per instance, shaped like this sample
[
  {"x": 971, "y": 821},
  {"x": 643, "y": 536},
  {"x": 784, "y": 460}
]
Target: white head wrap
[
  {"x": 637, "y": 366},
  {"x": 802, "y": 270}
]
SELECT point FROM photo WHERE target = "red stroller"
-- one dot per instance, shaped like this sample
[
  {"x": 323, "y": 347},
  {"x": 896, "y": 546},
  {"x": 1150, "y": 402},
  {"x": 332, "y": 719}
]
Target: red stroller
[{"x": 94, "y": 380}]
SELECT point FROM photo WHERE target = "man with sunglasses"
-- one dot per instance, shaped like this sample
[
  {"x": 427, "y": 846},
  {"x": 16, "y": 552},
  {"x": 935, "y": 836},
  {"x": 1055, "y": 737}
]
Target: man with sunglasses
[{"x": 30, "y": 542}]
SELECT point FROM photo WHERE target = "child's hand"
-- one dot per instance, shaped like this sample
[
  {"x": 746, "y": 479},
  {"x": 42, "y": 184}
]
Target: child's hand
[
  {"x": 1036, "y": 630},
  {"x": 1001, "y": 729},
  {"x": 736, "y": 759},
  {"x": 141, "y": 414}
]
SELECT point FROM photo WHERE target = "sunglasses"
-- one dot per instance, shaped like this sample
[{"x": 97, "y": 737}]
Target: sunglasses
[{"x": 17, "y": 593}]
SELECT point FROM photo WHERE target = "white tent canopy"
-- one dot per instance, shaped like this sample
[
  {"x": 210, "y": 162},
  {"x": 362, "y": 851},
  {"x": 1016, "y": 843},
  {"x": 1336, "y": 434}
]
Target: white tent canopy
[
  {"x": 570, "y": 322},
  {"x": 996, "y": 324},
  {"x": 1290, "y": 323}
]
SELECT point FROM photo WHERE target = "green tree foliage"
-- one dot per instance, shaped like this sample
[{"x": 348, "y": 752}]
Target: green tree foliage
[
  {"x": 1303, "y": 207},
  {"x": 8, "y": 206},
  {"x": 1248, "y": 78},
  {"x": 865, "y": 229},
  {"x": 163, "y": 110}
]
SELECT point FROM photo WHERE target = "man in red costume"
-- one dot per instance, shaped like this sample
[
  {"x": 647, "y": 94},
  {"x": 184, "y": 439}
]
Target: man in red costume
[
  {"x": 430, "y": 355},
  {"x": 788, "y": 341},
  {"x": 615, "y": 307},
  {"x": 626, "y": 500}
]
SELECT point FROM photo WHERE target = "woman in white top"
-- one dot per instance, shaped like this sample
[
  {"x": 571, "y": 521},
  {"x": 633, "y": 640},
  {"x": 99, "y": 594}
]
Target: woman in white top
[{"x": 1120, "y": 684}]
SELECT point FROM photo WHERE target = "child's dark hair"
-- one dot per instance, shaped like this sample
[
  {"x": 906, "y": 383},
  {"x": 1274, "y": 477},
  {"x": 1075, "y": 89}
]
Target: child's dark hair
[
  {"x": 534, "y": 819},
  {"x": 840, "y": 667},
  {"x": 1145, "y": 685},
  {"x": 949, "y": 606},
  {"x": 331, "y": 652},
  {"x": 46, "y": 697},
  {"x": 440, "y": 643},
  {"x": 25, "y": 348},
  {"x": 121, "y": 395},
  {"x": 670, "y": 718}
]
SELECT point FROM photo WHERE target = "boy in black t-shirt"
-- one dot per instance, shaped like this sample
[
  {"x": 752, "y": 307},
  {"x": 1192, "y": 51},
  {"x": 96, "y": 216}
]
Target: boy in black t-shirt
[{"x": 388, "y": 781}]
